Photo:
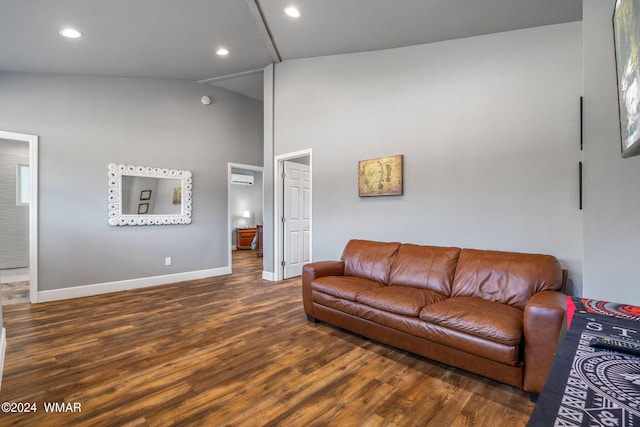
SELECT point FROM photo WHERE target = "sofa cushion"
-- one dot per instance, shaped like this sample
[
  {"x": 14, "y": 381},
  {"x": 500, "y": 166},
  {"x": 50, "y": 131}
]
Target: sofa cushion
[
  {"x": 371, "y": 260},
  {"x": 345, "y": 287},
  {"x": 399, "y": 299},
  {"x": 476, "y": 316},
  {"x": 428, "y": 267},
  {"x": 448, "y": 337},
  {"x": 507, "y": 277}
]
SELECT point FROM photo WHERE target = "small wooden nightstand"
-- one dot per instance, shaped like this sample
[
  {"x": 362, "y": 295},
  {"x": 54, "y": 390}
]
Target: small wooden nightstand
[{"x": 245, "y": 237}]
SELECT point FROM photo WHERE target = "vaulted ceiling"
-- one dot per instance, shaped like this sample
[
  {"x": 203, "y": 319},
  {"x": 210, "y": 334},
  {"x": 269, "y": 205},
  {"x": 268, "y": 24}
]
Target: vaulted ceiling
[{"x": 178, "y": 39}]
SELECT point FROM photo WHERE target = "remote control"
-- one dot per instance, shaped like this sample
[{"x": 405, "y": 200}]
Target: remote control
[{"x": 608, "y": 343}]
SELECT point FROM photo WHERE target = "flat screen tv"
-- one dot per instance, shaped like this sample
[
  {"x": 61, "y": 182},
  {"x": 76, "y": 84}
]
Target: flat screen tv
[{"x": 626, "y": 30}]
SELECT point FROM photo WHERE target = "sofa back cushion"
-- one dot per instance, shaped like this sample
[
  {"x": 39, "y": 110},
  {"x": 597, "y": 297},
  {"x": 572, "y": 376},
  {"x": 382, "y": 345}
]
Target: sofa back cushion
[
  {"x": 426, "y": 267},
  {"x": 370, "y": 260},
  {"x": 507, "y": 277}
]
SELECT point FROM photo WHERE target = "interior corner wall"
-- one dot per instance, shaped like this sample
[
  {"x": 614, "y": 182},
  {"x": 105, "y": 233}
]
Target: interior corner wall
[
  {"x": 84, "y": 123},
  {"x": 489, "y": 128},
  {"x": 268, "y": 189},
  {"x": 612, "y": 199}
]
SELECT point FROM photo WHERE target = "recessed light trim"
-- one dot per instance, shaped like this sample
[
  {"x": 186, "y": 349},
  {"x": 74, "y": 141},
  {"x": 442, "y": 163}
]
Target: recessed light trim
[
  {"x": 70, "y": 33},
  {"x": 292, "y": 12},
  {"x": 222, "y": 52}
]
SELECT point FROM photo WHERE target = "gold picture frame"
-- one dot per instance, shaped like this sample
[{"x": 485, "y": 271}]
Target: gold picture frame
[{"x": 380, "y": 177}]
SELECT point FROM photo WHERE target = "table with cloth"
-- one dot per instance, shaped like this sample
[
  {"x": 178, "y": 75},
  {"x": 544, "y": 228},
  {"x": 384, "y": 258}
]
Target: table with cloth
[{"x": 589, "y": 386}]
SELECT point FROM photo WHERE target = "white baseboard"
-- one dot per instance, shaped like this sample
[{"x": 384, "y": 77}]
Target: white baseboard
[
  {"x": 14, "y": 275},
  {"x": 125, "y": 285},
  {"x": 267, "y": 275},
  {"x": 3, "y": 349}
]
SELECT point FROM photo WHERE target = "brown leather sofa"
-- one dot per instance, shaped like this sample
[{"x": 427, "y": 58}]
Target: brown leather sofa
[{"x": 497, "y": 314}]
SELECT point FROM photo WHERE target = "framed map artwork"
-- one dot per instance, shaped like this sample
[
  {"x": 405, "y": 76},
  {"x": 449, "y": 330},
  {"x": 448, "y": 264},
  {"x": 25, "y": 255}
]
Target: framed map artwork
[{"x": 380, "y": 177}]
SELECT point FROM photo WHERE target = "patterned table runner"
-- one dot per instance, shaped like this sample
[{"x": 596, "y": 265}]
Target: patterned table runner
[{"x": 593, "y": 387}]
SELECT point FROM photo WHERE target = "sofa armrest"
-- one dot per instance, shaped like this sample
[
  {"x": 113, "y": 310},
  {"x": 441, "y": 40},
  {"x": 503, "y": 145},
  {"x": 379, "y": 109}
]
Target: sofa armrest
[
  {"x": 544, "y": 327},
  {"x": 311, "y": 272}
]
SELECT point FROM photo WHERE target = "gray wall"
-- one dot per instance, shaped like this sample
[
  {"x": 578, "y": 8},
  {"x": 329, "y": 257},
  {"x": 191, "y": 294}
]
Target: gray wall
[
  {"x": 84, "y": 123},
  {"x": 612, "y": 199},
  {"x": 14, "y": 219},
  {"x": 489, "y": 130},
  {"x": 488, "y": 127}
]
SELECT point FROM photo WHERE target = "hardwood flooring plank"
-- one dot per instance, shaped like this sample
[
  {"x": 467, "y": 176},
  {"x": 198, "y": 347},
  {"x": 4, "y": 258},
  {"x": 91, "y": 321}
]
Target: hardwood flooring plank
[{"x": 232, "y": 350}]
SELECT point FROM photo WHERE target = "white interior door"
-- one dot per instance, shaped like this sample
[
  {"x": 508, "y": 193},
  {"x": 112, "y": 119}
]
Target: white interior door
[{"x": 297, "y": 217}]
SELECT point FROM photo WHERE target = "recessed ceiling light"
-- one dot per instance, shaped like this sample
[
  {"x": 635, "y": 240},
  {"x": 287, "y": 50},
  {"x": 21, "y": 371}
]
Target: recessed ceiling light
[
  {"x": 70, "y": 33},
  {"x": 292, "y": 12},
  {"x": 222, "y": 51}
]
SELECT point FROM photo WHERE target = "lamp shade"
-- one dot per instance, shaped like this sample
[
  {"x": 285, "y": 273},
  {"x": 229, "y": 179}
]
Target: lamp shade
[{"x": 246, "y": 214}]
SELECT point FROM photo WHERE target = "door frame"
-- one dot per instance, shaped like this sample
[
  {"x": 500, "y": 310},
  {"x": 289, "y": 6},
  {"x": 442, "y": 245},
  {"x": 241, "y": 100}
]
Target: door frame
[
  {"x": 278, "y": 208},
  {"x": 231, "y": 166},
  {"x": 32, "y": 140}
]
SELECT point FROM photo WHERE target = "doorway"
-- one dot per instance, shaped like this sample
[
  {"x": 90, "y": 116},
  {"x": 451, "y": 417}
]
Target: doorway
[
  {"x": 20, "y": 198},
  {"x": 245, "y": 210},
  {"x": 293, "y": 204}
]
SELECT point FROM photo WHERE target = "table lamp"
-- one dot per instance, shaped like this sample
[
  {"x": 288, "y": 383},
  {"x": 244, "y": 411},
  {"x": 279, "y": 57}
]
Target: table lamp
[{"x": 246, "y": 215}]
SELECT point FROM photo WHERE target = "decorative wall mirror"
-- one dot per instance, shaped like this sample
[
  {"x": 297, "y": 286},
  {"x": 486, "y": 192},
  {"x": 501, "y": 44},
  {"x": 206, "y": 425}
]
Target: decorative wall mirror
[{"x": 140, "y": 195}]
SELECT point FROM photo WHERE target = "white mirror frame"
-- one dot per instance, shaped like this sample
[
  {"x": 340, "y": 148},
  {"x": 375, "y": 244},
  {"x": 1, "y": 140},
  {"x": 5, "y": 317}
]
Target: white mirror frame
[{"x": 116, "y": 171}]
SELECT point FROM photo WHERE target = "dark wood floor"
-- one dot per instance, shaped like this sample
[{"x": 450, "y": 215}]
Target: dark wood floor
[{"x": 233, "y": 350}]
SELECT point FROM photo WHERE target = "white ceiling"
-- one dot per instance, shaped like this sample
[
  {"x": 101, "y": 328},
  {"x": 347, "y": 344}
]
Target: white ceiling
[{"x": 178, "y": 38}]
